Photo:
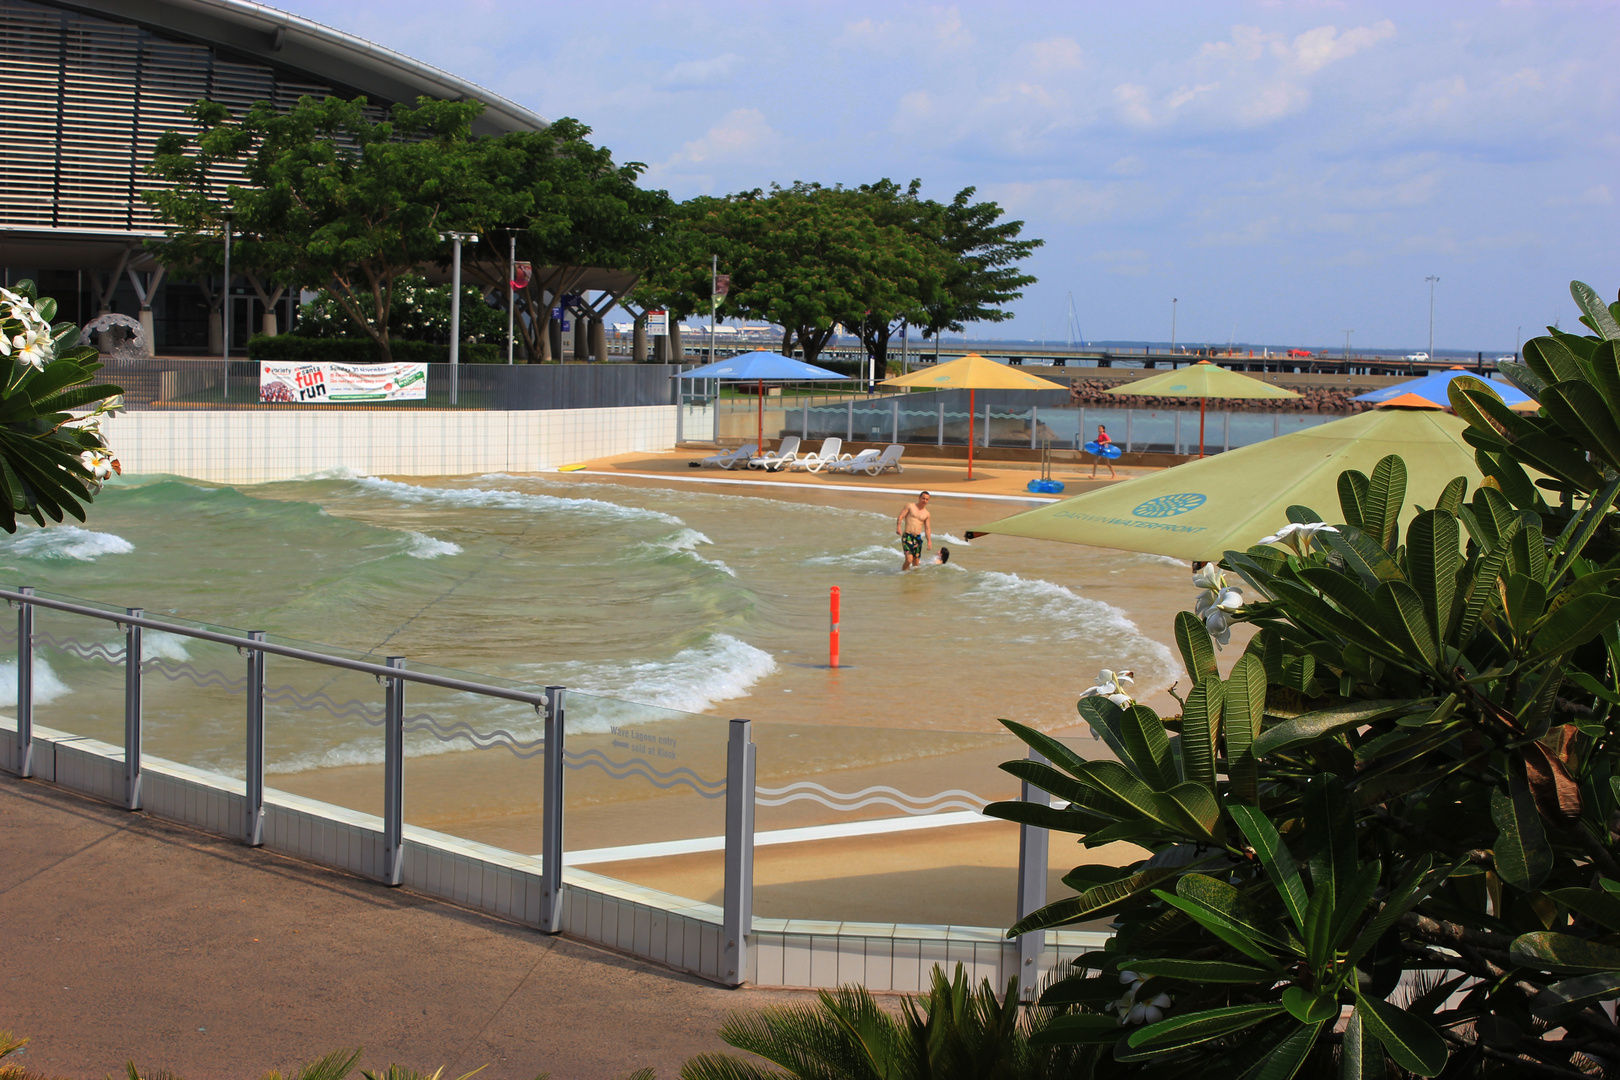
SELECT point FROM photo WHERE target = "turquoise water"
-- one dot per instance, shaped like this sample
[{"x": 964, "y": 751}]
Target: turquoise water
[{"x": 682, "y": 599}]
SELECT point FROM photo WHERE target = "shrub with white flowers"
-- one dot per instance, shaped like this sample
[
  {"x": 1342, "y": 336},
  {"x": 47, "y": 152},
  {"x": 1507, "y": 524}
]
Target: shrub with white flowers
[{"x": 51, "y": 460}]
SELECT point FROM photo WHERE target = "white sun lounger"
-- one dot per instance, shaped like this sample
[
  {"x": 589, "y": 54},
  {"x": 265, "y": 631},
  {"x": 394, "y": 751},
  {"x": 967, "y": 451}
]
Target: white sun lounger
[
  {"x": 863, "y": 461},
  {"x": 727, "y": 459},
  {"x": 889, "y": 459},
  {"x": 816, "y": 460},
  {"x": 786, "y": 454}
]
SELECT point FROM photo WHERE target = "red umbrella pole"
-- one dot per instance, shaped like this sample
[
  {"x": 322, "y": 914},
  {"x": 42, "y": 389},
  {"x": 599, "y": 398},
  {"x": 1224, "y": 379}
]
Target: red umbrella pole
[
  {"x": 1200, "y": 427},
  {"x": 970, "y": 433}
]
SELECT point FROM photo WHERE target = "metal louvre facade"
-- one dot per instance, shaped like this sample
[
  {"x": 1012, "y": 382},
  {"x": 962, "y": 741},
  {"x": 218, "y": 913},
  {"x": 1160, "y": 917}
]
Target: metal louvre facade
[{"x": 84, "y": 102}]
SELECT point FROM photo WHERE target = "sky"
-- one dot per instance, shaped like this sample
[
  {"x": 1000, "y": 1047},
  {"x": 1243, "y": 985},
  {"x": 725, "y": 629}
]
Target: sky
[{"x": 1265, "y": 172}]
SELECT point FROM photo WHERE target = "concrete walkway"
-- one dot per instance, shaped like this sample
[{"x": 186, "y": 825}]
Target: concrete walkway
[{"x": 126, "y": 938}]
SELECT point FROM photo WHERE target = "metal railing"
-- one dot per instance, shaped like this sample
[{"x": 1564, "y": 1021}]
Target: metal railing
[{"x": 738, "y": 787}]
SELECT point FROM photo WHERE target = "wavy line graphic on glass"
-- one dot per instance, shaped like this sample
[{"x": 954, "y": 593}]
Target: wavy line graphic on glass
[{"x": 803, "y": 790}]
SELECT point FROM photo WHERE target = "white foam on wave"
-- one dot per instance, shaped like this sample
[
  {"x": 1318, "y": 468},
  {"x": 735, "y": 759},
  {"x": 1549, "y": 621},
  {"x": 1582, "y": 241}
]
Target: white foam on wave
[
  {"x": 423, "y": 546},
  {"x": 873, "y": 559},
  {"x": 47, "y": 685},
  {"x": 1082, "y": 618},
  {"x": 686, "y": 543},
  {"x": 1162, "y": 560},
  {"x": 67, "y": 542},
  {"x": 694, "y": 680},
  {"x": 505, "y": 499},
  {"x": 157, "y": 645}
]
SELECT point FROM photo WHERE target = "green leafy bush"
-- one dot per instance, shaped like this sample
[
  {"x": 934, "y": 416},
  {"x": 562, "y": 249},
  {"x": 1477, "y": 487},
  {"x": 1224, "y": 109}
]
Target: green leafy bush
[
  {"x": 51, "y": 461},
  {"x": 420, "y": 312},
  {"x": 1386, "y": 842},
  {"x": 295, "y": 348}
]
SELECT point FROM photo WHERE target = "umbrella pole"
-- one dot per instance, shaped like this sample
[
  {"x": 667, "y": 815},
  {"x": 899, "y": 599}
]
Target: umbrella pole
[
  {"x": 761, "y": 389},
  {"x": 970, "y": 432},
  {"x": 1200, "y": 427}
]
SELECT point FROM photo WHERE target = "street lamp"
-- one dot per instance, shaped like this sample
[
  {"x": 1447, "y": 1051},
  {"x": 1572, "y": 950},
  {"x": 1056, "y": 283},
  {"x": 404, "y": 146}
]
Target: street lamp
[
  {"x": 1347, "y": 334},
  {"x": 1431, "y": 279},
  {"x": 456, "y": 239},
  {"x": 1173, "y": 301}
]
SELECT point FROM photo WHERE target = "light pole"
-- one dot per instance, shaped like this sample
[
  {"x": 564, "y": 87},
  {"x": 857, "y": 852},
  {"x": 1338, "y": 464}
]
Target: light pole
[
  {"x": 714, "y": 300},
  {"x": 456, "y": 239},
  {"x": 511, "y": 293},
  {"x": 1173, "y": 301},
  {"x": 1347, "y": 334},
  {"x": 225, "y": 299},
  {"x": 1431, "y": 279}
]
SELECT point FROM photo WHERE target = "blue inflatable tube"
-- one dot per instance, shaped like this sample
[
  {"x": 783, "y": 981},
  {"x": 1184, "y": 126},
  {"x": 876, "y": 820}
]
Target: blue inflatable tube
[{"x": 1104, "y": 451}]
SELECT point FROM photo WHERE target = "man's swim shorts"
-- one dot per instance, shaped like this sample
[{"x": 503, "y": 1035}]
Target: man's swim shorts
[{"x": 911, "y": 544}]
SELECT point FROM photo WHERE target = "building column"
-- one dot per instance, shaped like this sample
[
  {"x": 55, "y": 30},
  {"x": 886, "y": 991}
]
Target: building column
[
  {"x": 599, "y": 338},
  {"x": 582, "y": 345},
  {"x": 676, "y": 353}
]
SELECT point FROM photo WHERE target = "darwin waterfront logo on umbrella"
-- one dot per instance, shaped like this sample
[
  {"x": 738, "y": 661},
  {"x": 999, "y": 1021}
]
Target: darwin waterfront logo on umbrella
[{"x": 1169, "y": 505}]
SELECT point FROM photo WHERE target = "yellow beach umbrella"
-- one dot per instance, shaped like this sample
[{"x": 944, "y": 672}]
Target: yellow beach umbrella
[
  {"x": 1205, "y": 508},
  {"x": 1203, "y": 381},
  {"x": 972, "y": 373}
]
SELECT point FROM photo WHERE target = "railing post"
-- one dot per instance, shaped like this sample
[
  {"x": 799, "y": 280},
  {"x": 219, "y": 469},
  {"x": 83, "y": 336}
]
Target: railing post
[
  {"x": 1178, "y": 431},
  {"x": 849, "y": 424},
  {"x": 1226, "y": 432},
  {"x": 253, "y": 822},
  {"x": 680, "y": 410},
  {"x": 25, "y": 685},
  {"x": 895, "y": 421},
  {"x": 1032, "y": 425},
  {"x": 551, "y": 813},
  {"x": 1032, "y": 852},
  {"x": 942, "y": 423},
  {"x": 394, "y": 777},
  {"x": 1080, "y": 431},
  {"x": 1130, "y": 416},
  {"x": 132, "y": 712},
  {"x": 738, "y": 920}
]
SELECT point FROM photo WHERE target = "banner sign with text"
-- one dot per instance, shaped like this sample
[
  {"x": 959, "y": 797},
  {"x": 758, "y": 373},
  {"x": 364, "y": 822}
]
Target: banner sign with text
[{"x": 331, "y": 384}]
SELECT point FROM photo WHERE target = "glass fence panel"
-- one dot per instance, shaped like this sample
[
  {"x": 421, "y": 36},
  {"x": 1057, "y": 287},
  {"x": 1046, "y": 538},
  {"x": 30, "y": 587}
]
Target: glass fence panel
[
  {"x": 874, "y": 422},
  {"x": 644, "y": 796},
  {"x": 323, "y": 731},
  {"x": 474, "y": 764},
  {"x": 1147, "y": 432},
  {"x": 882, "y": 825},
  {"x": 194, "y": 703},
  {"x": 8, "y": 672},
  {"x": 919, "y": 423},
  {"x": 78, "y": 672},
  {"x": 957, "y": 425},
  {"x": 827, "y": 422},
  {"x": 1008, "y": 428}
]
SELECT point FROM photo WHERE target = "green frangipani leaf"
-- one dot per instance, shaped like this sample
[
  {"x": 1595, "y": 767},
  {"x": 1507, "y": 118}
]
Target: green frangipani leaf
[
  {"x": 1602, "y": 906},
  {"x": 1315, "y": 725},
  {"x": 1217, "y": 923},
  {"x": 1564, "y": 954},
  {"x": 1274, "y": 856},
  {"x": 1308, "y": 1007},
  {"x": 1415, "y": 1046},
  {"x": 1574, "y": 624},
  {"x": 1203, "y": 971},
  {"x": 1200, "y": 727},
  {"x": 1244, "y": 706},
  {"x": 1197, "y": 652},
  {"x": 1099, "y": 900},
  {"x": 1179, "y": 1032},
  {"x": 1386, "y": 495},
  {"x": 1147, "y": 748},
  {"x": 1361, "y": 1057},
  {"x": 1597, "y": 313},
  {"x": 1562, "y": 996},
  {"x": 1284, "y": 1060},
  {"x": 1523, "y": 857},
  {"x": 1433, "y": 556}
]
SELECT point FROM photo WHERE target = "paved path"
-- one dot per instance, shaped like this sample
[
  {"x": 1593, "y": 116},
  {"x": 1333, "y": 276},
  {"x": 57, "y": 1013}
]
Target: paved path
[{"x": 123, "y": 937}]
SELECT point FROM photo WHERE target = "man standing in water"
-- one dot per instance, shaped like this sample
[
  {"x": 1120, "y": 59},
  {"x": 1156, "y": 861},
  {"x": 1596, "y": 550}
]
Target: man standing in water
[{"x": 914, "y": 525}]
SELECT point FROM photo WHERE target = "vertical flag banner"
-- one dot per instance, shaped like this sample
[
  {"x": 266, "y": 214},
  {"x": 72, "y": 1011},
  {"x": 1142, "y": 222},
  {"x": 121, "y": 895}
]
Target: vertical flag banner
[
  {"x": 722, "y": 285},
  {"x": 522, "y": 274}
]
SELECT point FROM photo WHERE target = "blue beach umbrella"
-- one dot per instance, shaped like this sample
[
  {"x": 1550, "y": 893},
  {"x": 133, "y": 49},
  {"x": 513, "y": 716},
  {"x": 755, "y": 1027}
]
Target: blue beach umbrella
[
  {"x": 761, "y": 367},
  {"x": 1434, "y": 388}
]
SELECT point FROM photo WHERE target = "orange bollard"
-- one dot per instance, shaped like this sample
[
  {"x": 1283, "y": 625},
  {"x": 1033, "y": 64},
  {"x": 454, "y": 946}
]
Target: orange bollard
[{"x": 832, "y": 635}]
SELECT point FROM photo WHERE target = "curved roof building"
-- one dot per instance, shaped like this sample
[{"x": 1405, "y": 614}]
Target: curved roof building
[{"x": 89, "y": 87}]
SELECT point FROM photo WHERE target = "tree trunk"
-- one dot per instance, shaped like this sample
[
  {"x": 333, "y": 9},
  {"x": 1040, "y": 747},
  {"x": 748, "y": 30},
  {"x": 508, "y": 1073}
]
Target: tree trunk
[
  {"x": 638, "y": 340},
  {"x": 677, "y": 351},
  {"x": 787, "y": 342}
]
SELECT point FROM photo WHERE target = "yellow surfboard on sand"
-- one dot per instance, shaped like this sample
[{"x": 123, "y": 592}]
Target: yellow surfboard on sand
[{"x": 571, "y": 468}]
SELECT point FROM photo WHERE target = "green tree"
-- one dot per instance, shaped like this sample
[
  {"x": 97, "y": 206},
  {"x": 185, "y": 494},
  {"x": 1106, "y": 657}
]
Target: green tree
[
  {"x": 985, "y": 252},
  {"x": 579, "y": 210},
  {"x": 420, "y": 312},
  {"x": 51, "y": 461},
  {"x": 1403, "y": 799},
  {"x": 335, "y": 198}
]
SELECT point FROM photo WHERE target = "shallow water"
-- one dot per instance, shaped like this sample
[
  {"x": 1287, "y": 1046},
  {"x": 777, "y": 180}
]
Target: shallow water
[{"x": 682, "y": 599}]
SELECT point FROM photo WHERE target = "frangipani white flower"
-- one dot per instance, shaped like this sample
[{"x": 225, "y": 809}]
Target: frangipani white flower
[
  {"x": 1298, "y": 535},
  {"x": 33, "y": 346},
  {"x": 1132, "y": 1011},
  {"x": 101, "y": 464},
  {"x": 1110, "y": 685},
  {"x": 1215, "y": 602}
]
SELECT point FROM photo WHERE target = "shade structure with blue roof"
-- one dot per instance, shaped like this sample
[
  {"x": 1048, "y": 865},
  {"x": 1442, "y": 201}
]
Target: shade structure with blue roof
[
  {"x": 1435, "y": 388},
  {"x": 761, "y": 367}
]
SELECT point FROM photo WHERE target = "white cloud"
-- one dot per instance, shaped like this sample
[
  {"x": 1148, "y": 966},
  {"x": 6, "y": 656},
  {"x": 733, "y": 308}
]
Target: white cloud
[
  {"x": 698, "y": 73},
  {"x": 742, "y": 135}
]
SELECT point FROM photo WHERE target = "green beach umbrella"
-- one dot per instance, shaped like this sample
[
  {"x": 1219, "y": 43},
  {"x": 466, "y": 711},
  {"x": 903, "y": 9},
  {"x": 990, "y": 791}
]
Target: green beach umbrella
[
  {"x": 1203, "y": 381},
  {"x": 1205, "y": 508}
]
